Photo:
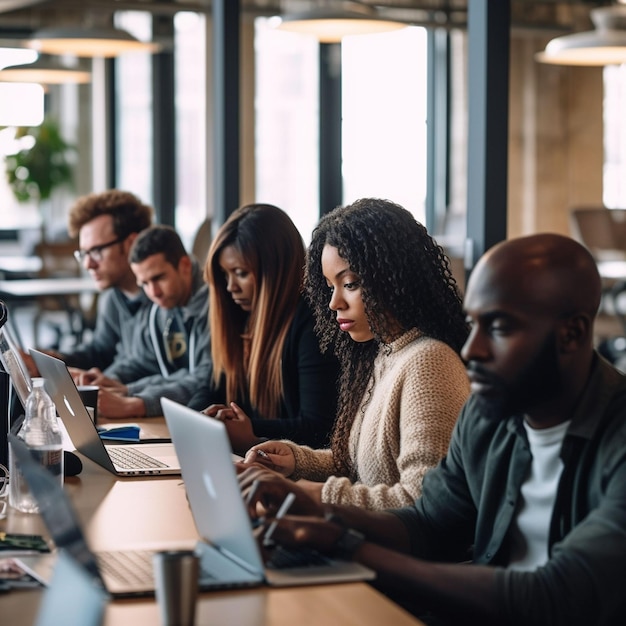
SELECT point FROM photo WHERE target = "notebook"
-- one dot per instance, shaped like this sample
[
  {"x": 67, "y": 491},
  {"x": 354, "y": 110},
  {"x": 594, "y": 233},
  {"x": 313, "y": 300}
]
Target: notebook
[
  {"x": 218, "y": 509},
  {"x": 124, "y": 460}
]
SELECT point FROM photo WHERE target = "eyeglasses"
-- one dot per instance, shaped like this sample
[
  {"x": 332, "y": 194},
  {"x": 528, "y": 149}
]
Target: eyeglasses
[
  {"x": 95, "y": 253},
  {"x": 4, "y": 483}
]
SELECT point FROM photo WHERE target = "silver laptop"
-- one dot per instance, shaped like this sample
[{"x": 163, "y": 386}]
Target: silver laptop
[
  {"x": 73, "y": 598},
  {"x": 124, "y": 460},
  {"x": 124, "y": 573},
  {"x": 218, "y": 509}
]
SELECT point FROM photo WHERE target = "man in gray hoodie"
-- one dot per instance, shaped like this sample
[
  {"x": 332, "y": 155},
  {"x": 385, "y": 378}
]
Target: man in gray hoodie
[
  {"x": 170, "y": 354},
  {"x": 106, "y": 225}
]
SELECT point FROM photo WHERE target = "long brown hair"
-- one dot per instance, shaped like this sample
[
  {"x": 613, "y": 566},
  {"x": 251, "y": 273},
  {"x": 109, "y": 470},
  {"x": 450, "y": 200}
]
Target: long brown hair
[{"x": 272, "y": 247}]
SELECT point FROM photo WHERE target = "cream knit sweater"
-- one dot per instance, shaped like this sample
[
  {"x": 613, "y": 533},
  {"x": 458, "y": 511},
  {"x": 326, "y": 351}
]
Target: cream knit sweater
[{"x": 419, "y": 385}]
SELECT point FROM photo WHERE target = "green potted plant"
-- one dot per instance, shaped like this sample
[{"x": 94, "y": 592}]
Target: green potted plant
[{"x": 33, "y": 173}]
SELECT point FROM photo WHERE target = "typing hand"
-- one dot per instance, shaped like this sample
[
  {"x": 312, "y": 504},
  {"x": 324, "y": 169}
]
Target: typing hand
[
  {"x": 305, "y": 532},
  {"x": 112, "y": 405},
  {"x": 238, "y": 425},
  {"x": 219, "y": 411},
  {"x": 92, "y": 376},
  {"x": 274, "y": 455},
  {"x": 264, "y": 491}
]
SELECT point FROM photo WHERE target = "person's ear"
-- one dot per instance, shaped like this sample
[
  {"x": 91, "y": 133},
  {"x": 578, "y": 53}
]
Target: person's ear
[
  {"x": 185, "y": 265},
  {"x": 128, "y": 242},
  {"x": 575, "y": 332}
]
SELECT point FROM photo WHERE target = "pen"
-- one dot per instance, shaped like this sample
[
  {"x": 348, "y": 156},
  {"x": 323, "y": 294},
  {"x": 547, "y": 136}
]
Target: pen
[
  {"x": 262, "y": 454},
  {"x": 282, "y": 511}
]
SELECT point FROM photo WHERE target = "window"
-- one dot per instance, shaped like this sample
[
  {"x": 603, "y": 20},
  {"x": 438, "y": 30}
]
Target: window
[
  {"x": 134, "y": 110},
  {"x": 191, "y": 161},
  {"x": 384, "y": 117},
  {"x": 614, "y": 184},
  {"x": 21, "y": 104},
  {"x": 287, "y": 112},
  {"x": 384, "y": 120}
]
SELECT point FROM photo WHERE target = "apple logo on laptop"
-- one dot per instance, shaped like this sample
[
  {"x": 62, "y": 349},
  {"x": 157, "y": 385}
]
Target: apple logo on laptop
[
  {"x": 68, "y": 405},
  {"x": 210, "y": 487}
]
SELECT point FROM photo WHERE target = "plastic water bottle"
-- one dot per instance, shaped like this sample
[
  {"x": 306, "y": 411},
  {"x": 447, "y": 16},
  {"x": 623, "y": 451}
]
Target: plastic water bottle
[{"x": 42, "y": 434}]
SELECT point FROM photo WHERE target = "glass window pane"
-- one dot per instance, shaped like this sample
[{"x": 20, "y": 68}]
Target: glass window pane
[
  {"x": 614, "y": 182},
  {"x": 190, "y": 57},
  {"x": 384, "y": 117},
  {"x": 134, "y": 110},
  {"x": 384, "y": 120},
  {"x": 286, "y": 106}
]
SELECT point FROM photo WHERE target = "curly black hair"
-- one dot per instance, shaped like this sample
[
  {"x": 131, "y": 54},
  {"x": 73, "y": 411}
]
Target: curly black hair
[{"x": 405, "y": 279}]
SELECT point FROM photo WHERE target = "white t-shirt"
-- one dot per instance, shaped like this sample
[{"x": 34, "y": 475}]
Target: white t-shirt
[{"x": 531, "y": 526}]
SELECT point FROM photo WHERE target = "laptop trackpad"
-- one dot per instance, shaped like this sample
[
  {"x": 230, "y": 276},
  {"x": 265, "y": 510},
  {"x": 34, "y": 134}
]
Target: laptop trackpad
[
  {"x": 163, "y": 452},
  {"x": 218, "y": 570}
]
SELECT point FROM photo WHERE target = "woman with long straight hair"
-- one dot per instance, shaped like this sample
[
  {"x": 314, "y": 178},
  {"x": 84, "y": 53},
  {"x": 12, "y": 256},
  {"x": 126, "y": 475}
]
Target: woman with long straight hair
[
  {"x": 270, "y": 379},
  {"x": 387, "y": 305}
]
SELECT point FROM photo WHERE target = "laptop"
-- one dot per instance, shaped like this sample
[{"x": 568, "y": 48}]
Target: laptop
[
  {"x": 147, "y": 459},
  {"x": 126, "y": 573},
  {"x": 73, "y": 598},
  {"x": 219, "y": 511},
  {"x": 11, "y": 360}
]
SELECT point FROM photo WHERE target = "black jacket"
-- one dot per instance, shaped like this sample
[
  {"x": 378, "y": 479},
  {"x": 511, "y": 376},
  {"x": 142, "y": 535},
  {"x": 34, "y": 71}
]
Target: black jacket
[{"x": 310, "y": 381}]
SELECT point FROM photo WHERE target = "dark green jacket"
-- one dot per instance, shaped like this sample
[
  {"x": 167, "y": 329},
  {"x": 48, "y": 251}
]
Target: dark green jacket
[{"x": 470, "y": 500}]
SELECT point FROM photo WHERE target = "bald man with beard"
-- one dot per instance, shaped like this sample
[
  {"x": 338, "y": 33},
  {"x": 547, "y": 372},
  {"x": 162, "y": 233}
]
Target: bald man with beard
[{"x": 533, "y": 489}]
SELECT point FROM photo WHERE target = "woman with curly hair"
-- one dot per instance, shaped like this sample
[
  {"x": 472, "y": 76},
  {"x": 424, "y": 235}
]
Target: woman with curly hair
[
  {"x": 270, "y": 379},
  {"x": 385, "y": 301}
]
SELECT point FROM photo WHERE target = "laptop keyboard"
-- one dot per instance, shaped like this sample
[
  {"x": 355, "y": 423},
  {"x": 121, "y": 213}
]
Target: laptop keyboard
[
  {"x": 133, "y": 567},
  {"x": 132, "y": 458},
  {"x": 286, "y": 558}
]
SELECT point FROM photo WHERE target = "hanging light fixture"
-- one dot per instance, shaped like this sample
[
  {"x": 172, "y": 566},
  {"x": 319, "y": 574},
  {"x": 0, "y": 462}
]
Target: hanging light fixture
[
  {"x": 331, "y": 21},
  {"x": 88, "y": 42},
  {"x": 606, "y": 45},
  {"x": 45, "y": 71}
]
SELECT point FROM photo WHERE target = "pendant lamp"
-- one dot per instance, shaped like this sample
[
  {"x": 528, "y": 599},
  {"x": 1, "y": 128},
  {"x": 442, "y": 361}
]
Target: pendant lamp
[
  {"x": 331, "y": 21},
  {"x": 46, "y": 71},
  {"x": 88, "y": 42},
  {"x": 605, "y": 45}
]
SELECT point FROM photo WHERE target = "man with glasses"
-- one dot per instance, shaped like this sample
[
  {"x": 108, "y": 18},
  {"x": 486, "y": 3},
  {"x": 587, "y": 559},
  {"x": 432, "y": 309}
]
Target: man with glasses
[{"x": 107, "y": 224}]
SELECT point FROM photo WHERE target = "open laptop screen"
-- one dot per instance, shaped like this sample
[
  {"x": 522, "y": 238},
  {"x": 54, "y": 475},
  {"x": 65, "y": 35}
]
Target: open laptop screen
[
  {"x": 13, "y": 365},
  {"x": 55, "y": 508}
]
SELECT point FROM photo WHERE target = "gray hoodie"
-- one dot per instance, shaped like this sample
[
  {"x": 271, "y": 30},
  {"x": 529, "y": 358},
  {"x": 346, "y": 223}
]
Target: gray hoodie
[{"x": 146, "y": 370}]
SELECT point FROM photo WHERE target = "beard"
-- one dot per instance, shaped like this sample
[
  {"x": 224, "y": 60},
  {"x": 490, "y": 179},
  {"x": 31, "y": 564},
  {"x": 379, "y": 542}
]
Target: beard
[{"x": 539, "y": 380}]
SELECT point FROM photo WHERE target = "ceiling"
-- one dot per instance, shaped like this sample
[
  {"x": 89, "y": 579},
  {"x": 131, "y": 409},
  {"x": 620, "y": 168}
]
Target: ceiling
[{"x": 19, "y": 18}]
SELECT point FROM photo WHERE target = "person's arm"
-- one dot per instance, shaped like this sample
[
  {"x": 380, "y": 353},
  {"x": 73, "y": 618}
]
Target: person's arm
[
  {"x": 310, "y": 388},
  {"x": 134, "y": 366},
  {"x": 456, "y": 591},
  {"x": 102, "y": 346},
  {"x": 139, "y": 359},
  {"x": 179, "y": 386},
  {"x": 411, "y": 430},
  {"x": 179, "y": 389},
  {"x": 264, "y": 491},
  {"x": 208, "y": 393},
  {"x": 112, "y": 405}
]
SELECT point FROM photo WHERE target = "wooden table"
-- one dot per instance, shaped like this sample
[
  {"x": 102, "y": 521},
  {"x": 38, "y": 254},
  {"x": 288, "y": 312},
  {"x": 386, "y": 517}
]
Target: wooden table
[{"x": 118, "y": 513}]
